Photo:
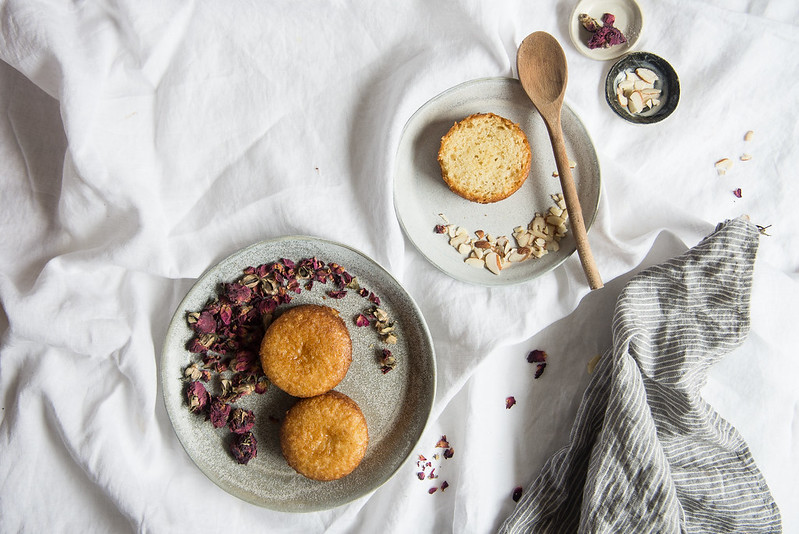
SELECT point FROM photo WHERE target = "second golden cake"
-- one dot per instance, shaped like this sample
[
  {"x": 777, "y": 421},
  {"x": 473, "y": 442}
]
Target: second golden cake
[
  {"x": 485, "y": 158},
  {"x": 307, "y": 350},
  {"x": 324, "y": 437}
]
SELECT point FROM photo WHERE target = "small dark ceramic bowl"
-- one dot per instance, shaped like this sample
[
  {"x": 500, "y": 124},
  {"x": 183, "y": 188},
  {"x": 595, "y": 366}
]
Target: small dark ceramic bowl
[{"x": 668, "y": 83}]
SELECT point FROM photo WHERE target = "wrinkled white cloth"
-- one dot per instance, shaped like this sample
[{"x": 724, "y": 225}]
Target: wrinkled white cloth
[{"x": 142, "y": 143}]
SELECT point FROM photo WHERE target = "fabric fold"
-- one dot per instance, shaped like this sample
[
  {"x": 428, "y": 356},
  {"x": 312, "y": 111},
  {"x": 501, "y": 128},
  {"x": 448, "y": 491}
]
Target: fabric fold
[{"x": 646, "y": 452}]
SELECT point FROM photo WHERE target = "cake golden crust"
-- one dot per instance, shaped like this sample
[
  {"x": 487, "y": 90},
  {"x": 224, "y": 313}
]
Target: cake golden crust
[
  {"x": 324, "y": 437},
  {"x": 307, "y": 350},
  {"x": 484, "y": 158}
]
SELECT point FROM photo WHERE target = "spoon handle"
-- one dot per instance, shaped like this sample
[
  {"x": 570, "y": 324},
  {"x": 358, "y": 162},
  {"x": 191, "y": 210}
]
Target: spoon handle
[{"x": 573, "y": 206}]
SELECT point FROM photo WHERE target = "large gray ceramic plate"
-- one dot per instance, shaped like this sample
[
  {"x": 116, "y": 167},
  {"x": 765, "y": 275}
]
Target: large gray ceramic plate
[
  {"x": 396, "y": 404},
  {"x": 420, "y": 193}
]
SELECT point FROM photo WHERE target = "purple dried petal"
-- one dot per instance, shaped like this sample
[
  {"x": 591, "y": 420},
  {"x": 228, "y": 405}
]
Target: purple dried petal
[
  {"x": 197, "y": 396},
  {"x": 287, "y": 262},
  {"x": 738, "y": 193},
  {"x": 605, "y": 37},
  {"x": 420, "y": 475},
  {"x": 444, "y": 485},
  {"x": 539, "y": 369},
  {"x": 238, "y": 293},
  {"x": 244, "y": 360},
  {"x": 218, "y": 412},
  {"x": 361, "y": 320},
  {"x": 449, "y": 453},
  {"x": 206, "y": 324},
  {"x": 440, "y": 229},
  {"x": 374, "y": 299},
  {"x": 241, "y": 421},
  {"x": 244, "y": 447},
  {"x": 225, "y": 314},
  {"x": 537, "y": 356},
  {"x": 261, "y": 385},
  {"x": 194, "y": 345},
  {"x": 608, "y": 19},
  {"x": 337, "y": 294},
  {"x": 363, "y": 292},
  {"x": 517, "y": 494},
  {"x": 432, "y": 490},
  {"x": 509, "y": 402}
]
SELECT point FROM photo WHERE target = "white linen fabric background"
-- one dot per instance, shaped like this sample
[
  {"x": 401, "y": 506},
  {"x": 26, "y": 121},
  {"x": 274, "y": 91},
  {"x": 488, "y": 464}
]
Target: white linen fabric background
[{"x": 143, "y": 142}]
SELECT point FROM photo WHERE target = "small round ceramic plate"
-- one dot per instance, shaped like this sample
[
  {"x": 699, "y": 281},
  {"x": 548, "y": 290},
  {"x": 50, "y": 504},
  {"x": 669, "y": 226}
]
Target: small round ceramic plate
[
  {"x": 421, "y": 196},
  {"x": 666, "y": 87},
  {"x": 629, "y": 20},
  {"x": 396, "y": 404}
]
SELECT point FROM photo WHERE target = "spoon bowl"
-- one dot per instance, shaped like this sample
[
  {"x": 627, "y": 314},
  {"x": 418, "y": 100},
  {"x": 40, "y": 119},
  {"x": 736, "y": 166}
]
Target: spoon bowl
[{"x": 543, "y": 72}]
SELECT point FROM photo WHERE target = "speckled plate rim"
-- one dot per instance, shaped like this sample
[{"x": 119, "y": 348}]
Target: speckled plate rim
[
  {"x": 629, "y": 19},
  {"x": 394, "y": 427},
  {"x": 420, "y": 194}
]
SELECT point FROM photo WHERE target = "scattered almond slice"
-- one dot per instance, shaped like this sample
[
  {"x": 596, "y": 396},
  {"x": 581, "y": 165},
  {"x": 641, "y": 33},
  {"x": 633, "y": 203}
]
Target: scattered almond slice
[
  {"x": 723, "y": 165},
  {"x": 746, "y": 157},
  {"x": 749, "y": 135},
  {"x": 635, "y": 103}
]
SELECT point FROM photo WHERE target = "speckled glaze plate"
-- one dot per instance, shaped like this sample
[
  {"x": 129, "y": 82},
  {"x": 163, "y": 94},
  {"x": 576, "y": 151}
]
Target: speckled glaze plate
[
  {"x": 396, "y": 404},
  {"x": 420, "y": 193},
  {"x": 629, "y": 20}
]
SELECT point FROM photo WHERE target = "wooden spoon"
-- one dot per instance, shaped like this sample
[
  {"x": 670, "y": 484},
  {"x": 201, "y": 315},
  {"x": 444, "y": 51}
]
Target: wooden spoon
[{"x": 542, "y": 70}]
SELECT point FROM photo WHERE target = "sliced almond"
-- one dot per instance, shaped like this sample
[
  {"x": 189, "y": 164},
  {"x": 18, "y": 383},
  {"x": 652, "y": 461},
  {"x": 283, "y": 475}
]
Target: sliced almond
[
  {"x": 647, "y": 75},
  {"x": 482, "y": 244},
  {"x": 723, "y": 165},
  {"x": 493, "y": 262},
  {"x": 635, "y": 103},
  {"x": 464, "y": 248},
  {"x": 749, "y": 135},
  {"x": 622, "y": 99},
  {"x": 480, "y": 234},
  {"x": 746, "y": 157}
]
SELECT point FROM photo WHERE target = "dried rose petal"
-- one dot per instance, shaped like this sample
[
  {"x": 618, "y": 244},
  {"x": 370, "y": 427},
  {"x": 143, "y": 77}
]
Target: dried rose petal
[
  {"x": 539, "y": 370},
  {"x": 420, "y": 475},
  {"x": 737, "y": 192},
  {"x": 361, "y": 320},
  {"x": 387, "y": 361},
  {"x": 509, "y": 402},
  {"x": 219, "y": 412},
  {"x": 206, "y": 324},
  {"x": 432, "y": 490},
  {"x": 432, "y": 474},
  {"x": 440, "y": 229},
  {"x": 244, "y": 447},
  {"x": 517, "y": 494},
  {"x": 241, "y": 421},
  {"x": 442, "y": 443},
  {"x": 337, "y": 294},
  {"x": 444, "y": 485},
  {"x": 608, "y": 19},
  {"x": 197, "y": 396},
  {"x": 238, "y": 293},
  {"x": 537, "y": 356}
]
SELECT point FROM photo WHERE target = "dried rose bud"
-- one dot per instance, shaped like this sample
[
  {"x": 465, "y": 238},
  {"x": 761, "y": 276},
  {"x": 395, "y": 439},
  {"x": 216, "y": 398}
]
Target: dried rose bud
[
  {"x": 588, "y": 22},
  {"x": 539, "y": 370},
  {"x": 241, "y": 421},
  {"x": 261, "y": 385},
  {"x": 244, "y": 447},
  {"x": 197, "y": 396},
  {"x": 517, "y": 494},
  {"x": 219, "y": 412},
  {"x": 387, "y": 361},
  {"x": 509, "y": 402},
  {"x": 440, "y": 229},
  {"x": 537, "y": 356}
]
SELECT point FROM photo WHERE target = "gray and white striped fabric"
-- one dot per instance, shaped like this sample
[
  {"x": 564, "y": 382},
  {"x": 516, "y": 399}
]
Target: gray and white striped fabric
[{"x": 646, "y": 452}]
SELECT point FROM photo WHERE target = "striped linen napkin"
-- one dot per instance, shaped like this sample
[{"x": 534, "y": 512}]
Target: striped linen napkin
[{"x": 647, "y": 453}]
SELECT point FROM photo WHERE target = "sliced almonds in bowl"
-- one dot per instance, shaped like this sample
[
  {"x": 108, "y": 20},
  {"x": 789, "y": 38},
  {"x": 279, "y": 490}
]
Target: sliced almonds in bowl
[{"x": 539, "y": 237}]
